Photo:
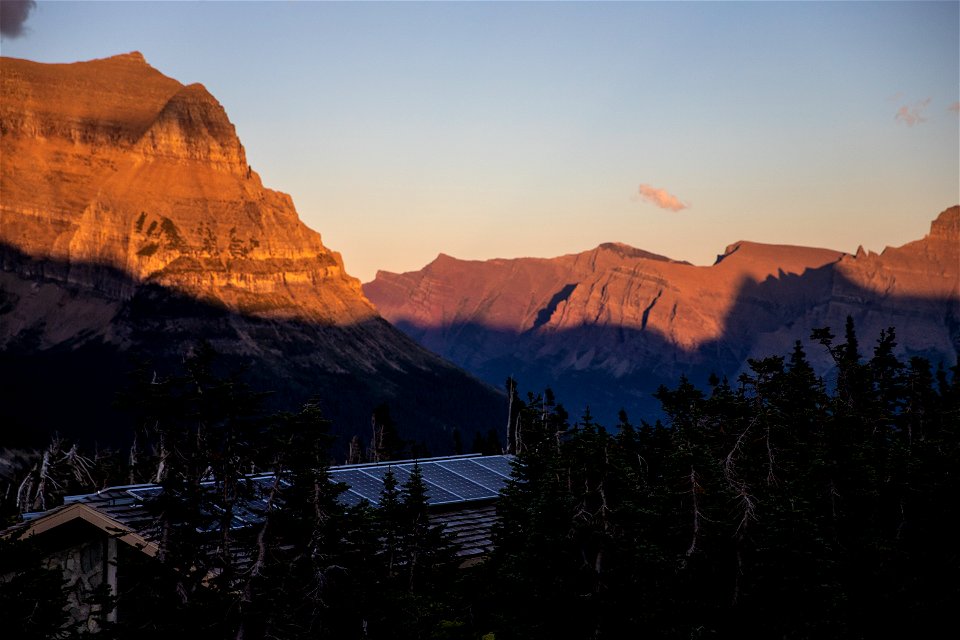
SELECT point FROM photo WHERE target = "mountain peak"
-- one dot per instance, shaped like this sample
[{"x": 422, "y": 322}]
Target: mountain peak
[
  {"x": 132, "y": 56},
  {"x": 146, "y": 175},
  {"x": 729, "y": 251},
  {"x": 626, "y": 251},
  {"x": 130, "y": 224},
  {"x": 785, "y": 256},
  {"x": 603, "y": 329},
  {"x": 193, "y": 125},
  {"x": 947, "y": 224}
]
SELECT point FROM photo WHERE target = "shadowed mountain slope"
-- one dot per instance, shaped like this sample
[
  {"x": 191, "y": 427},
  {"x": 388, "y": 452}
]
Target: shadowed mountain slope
[
  {"x": 132, "y": 226},
  {"x": 607, "y": 326}
]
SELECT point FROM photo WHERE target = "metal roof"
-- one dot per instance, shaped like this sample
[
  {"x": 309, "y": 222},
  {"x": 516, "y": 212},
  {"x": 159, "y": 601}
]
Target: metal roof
[
  {"x": 448, "y": 480},
  {"x": 461, "y": 490}
]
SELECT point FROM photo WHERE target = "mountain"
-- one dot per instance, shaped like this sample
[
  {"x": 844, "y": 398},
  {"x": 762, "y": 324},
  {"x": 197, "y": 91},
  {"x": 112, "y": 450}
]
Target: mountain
[
  {"x": 607, "y": 326},
  {"x": 132, "y": 227}
]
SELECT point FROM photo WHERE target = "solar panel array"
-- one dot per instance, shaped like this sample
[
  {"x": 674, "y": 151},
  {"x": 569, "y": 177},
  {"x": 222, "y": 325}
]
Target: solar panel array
[
  {"x": 447, "y": 480},
  {"x": 471, "y": 481},
  {"x": 248, "y": 508}
]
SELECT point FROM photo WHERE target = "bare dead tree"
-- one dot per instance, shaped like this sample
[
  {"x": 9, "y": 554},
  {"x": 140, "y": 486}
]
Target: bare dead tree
[
  {"x": 511, "y": 436},
  {"x": 256, "y": 569},
  {"x": 695, "y": 490},
  {"x": 519, "y": 435},
  {"x": 739, "y": 486},
  {"x": 771, "y": 475},
  {"x": 161, "y": 473},
  {"x": 355, "y": 451},
  {"x": 48, "y": 476},
  {"x": 133, "y": 459}
]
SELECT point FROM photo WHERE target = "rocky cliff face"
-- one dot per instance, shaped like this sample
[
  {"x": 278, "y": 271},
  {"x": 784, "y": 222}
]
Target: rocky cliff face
[
  {"x": 117, "y": 166},
  {"x": 607, "y": 326},
  {"x": 130, "y": 222}
]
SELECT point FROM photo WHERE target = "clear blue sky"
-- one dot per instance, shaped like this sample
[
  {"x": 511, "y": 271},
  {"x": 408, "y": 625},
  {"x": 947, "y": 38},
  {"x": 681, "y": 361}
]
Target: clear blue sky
[{"x": 506, "y": 129}]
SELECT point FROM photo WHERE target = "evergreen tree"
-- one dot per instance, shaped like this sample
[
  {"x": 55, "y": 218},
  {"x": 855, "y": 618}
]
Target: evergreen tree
[
  {"x": 781, "y": 506},
  {"x": 308, "y": 577},
  {"x": 457, "y": 442},
  {"x": 386, "y": 443},
  {"x": 33, "y": 598},
  {"x": 773, "y": 509},
  {"x": 416, "y": 564}
]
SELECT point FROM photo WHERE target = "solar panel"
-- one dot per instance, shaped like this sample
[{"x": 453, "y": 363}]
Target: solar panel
[
  {"x": 400, "y": 473},
  {"x": 499, "y": 464},
  {"x": 454, "y": 483},
  {"x": 250, "y": 507},
  {"x": 447, "y": 480},
  {"x": 361, "y": 483},
  {"x": 474, "y": 472},
  {"x": 436, "y": 494},
  {"x": 145, "y": 493},
  {"x": 350, "y": 498},
  {"x": 260, "y": 494},
  {"x": 264, "y": 484}
]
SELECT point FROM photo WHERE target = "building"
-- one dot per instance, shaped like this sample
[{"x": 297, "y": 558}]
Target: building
[{"x": 105, "y": 537}]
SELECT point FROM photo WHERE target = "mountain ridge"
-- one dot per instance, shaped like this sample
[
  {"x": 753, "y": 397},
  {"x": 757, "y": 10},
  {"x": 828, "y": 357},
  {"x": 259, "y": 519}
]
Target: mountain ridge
[
  {"x": 164, "y": 190},
  {"x": 620, "y": 319},
  {"x": 132, "y": 228}
]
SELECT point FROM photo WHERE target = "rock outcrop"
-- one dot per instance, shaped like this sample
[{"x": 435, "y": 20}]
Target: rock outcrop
[
  {"x": 130, "y": 222},
  {"x": 607, "y": 326},
  {"x": 115, "y": 165}
]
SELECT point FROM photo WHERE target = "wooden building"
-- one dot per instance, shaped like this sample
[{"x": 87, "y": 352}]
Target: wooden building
[{"x": 108, "y": 536}]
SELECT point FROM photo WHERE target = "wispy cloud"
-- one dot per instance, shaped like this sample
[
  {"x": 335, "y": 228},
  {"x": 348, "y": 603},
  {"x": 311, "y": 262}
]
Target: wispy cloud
[
  {"x": 955, "y": 107},
  {"x": 912, "y": 114},
  {"x": 13, "y": 14},
  {"x": 661, "y": 198}
]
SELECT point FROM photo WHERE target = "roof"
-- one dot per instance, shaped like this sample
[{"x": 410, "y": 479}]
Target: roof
[
  {"x": 461, "y": 491},
  {"x": 103, "y": 521},
  {"x": 449, "y": 480}
]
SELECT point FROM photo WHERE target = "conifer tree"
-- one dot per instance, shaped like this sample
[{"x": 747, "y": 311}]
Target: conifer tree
[
  {"x": 416, "y": 563},
  {"x": 308, "y": 577},
  {"x": 786, "y": 507},
  {"x": 33, "y": 598},
  {"x": 385, "y": 443}
]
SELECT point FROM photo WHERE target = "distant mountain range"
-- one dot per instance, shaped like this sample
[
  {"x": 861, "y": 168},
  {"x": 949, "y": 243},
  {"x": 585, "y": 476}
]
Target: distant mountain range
[
  {"x": 132, "y": 227},
  {"x": 605, "y": 327}
]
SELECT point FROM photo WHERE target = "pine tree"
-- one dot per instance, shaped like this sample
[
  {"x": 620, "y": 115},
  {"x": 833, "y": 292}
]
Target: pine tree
[
  {"x": 386, "y": 443},
  {"x": 308, "y": 577},
  {"x": 33, "y": 598},
  {"x": 416, "y": 564}
]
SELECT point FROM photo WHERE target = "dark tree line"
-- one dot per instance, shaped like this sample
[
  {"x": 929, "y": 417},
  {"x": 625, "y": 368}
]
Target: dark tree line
[
  {"x": 771, "y": 507},
  {"x": 775, "y": 505},
  {"x": 305, "y": 565}
]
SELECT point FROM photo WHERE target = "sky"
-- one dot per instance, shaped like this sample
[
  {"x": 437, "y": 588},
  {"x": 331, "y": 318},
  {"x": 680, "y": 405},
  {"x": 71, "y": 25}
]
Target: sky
[{"x": 507, "y": 129}]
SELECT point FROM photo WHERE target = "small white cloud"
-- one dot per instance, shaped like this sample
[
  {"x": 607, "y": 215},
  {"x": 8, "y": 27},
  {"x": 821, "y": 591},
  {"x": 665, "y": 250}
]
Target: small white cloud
[
  {"x": 661, "y": 198},
  {"x": 911, "y": 115}
]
